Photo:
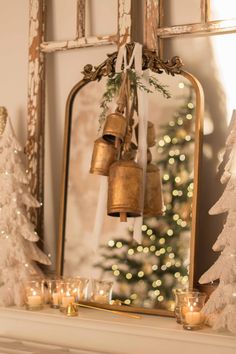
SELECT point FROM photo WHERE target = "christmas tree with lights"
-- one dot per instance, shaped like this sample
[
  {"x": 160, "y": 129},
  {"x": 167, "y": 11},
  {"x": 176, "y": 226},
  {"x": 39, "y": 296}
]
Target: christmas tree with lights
[
  {"x": 220, "y": 308},
  {"x": 19, "y": 252},
  {"x": 145, "y": 273}
]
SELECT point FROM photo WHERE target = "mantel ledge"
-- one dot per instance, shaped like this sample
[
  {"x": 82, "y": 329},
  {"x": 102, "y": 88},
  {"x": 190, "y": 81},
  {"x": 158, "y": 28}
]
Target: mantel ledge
[{"x": 100, "y": 332}]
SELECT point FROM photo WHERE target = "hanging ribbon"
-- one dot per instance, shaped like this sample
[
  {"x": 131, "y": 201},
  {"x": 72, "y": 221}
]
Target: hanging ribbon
[
  {"x": 142, "y": 149},
  {"x": 136, "y": 58}
]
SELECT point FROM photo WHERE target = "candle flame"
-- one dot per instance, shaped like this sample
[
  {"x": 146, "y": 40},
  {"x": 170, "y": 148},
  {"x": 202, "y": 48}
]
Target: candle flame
[{"x": 34, "y": 293}]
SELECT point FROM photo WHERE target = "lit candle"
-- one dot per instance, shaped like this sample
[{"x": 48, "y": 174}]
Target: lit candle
[
  {"x": 66, "y": 300},
  {"x": 193, "y": 317},
  {"x": 101, "y": 297},
  {"x": 56, "y": 299},
  {"x": 34, "y": 300}
]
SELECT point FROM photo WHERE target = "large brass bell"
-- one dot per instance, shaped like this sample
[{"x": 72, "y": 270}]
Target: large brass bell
[
  {"x": 153, "y": 202},
  {"x": 104, "y": 154},
  {"x": 151, "y": 134},
  {"x": 115, "y": 128},
  {"x": 125, "y": 190}
]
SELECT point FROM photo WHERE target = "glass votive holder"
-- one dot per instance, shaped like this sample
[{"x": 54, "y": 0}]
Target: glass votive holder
[
  {"x": 34, "y": 295},
  {"x": 67, "y": 295},
  {"x": 81, "y": 288},
  {"x": 54, "y": 289},
  {"x": 101, "y": 291},
  {"x": 179, "y": 299},
  {"x": 190, "y": 310}
]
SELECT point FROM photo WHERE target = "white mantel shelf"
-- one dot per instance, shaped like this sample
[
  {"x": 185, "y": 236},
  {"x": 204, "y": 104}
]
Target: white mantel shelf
[{"x": 98, "y": 332}]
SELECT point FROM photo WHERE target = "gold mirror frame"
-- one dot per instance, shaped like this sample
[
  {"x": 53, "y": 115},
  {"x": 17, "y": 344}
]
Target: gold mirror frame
[{"x": 107, "y": 68}]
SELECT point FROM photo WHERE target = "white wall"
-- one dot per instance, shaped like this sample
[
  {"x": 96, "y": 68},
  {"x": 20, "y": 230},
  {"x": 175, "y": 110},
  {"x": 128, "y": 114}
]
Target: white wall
[
  {"x": 63, "y": 70},
  {"x": 13, "y": 61}
]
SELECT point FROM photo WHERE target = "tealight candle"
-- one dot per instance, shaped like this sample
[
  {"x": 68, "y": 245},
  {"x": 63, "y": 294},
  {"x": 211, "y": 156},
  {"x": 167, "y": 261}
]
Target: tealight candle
[
  {"x": 67, "y": 299},
  {"x": 180, "y": 299},
  {"x": 193, "y": 317},
  {"x": 34, "y": 300},
  {"x": 34, "y": 295},
  {"x": 102, "y": 291},
  {"x": 190, "y": 311},
  {"x": 101, "y": 297},
  {"x": 56, "y": 299},
  {"x": 54, "y": 289}
]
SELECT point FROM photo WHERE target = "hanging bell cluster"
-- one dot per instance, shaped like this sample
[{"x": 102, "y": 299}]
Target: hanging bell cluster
[{"x": 114, "y": 156}]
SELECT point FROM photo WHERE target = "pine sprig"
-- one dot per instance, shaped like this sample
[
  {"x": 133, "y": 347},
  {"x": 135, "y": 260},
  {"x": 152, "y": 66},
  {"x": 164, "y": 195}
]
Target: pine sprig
[
  {"x": 113, "y": 86},
  {"x": 158, "y": 87}
]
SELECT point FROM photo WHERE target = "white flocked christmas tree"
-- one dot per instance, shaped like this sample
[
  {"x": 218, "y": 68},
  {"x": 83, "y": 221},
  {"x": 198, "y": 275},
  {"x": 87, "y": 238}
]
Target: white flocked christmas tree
[
  {"x": 221, "y": 306},
  {"x": 18, "y": 249}
]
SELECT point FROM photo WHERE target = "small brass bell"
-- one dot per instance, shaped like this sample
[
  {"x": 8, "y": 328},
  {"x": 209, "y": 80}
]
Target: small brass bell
[
  {"x": 71, "y": 310},
  {"x": 125, "y": 190},
  {"x": 153, "y": 202},
  {"x": 115, "y": 128},
  {"x": 151, "y": 135},
  {"x": 104, "y": 154}
]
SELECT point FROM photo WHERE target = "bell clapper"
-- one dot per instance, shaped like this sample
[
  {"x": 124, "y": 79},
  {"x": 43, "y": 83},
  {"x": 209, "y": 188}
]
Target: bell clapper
[{"x": 123, "y": 217}]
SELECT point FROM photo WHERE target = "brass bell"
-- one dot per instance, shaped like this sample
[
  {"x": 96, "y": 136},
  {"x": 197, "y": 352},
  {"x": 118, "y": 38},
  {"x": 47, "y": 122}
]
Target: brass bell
[
  {"x": 104, "y": 154},
  {"x": 115, "y": 128},
  {"x": 71, "y": 310},
  {"x": 125, "y": 190},
  {"x": 151, "y": 135},
  {"x": 153, "y": 202}
]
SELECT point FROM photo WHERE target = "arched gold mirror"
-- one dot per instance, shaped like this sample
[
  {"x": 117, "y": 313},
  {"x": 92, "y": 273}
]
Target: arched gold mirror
[{"x": 144, "y": 275}]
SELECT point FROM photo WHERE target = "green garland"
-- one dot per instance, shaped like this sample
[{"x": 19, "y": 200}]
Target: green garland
[{"x": 113, "y": 85}]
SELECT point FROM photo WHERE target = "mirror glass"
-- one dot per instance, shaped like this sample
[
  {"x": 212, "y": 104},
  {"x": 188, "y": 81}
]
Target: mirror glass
[
  {"x": 218, "y": 78},
  {"x": 145, "y": 274},
  {"x": 179, "y": 12}
]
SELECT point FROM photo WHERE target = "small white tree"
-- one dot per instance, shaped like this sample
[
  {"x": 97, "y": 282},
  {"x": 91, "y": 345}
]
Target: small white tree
[
  {"x": 221, "y": 306},
  {"x": 18, "y": 249}
]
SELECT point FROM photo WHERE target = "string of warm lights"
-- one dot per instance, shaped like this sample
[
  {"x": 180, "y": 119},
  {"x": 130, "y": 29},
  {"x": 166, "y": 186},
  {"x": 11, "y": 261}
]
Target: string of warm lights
[{"x": 160, "y": 261}]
